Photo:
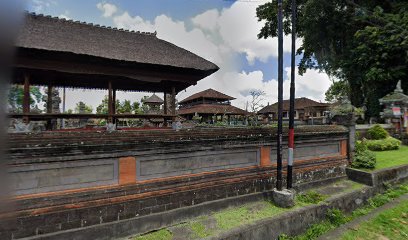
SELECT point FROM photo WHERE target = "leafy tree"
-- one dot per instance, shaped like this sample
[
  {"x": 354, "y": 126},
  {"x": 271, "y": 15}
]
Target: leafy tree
[
  {"x": 16, "y": 95},
  {"x": 360, "y": 42},
  {"x": 125, "y": 107},
  {"x": 81, "y": 107},
  {"x": 136, "y": 107},
  {"x": 102, "y": 108},
  {"x": 337, "y": 91}
]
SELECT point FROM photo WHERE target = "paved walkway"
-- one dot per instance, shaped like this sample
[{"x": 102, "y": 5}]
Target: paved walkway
[{"x": 353, "y": 225}]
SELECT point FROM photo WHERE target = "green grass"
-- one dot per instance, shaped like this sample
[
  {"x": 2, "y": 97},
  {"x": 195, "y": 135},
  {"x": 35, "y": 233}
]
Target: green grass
[
  {"x": 162, "y": 234},
  {"x": 386, "y": 159},
  {"x": 311, "y": 197},
  {"x": 390, "y": 224},
  {"x": 336, "y": 218},
  {"x": 235, "y": 217},
  {"x": 199, "y": 230}
]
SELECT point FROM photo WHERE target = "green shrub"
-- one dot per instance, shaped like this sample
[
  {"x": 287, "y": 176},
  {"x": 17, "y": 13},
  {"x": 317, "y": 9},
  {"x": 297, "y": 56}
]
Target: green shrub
[
  {"x": 312, "y": 197},
  {"x": 363, "y": 158},
  {"x": 361, "y": 146},
  {"x": 336, "y": 217},
  {"x": 388, "y": 143},
  {"x": 377, "y": 132}
]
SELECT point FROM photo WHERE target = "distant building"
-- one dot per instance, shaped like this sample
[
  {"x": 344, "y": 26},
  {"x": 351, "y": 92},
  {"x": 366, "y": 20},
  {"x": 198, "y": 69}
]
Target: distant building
[
  {"x": 154, "y": 103},
  {"x": 209, "y": 104},
  {"x": 305, "y": 109}
]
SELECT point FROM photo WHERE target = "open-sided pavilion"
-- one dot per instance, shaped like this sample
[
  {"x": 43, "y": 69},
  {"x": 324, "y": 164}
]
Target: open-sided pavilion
[{"x": 56, "y": 52}]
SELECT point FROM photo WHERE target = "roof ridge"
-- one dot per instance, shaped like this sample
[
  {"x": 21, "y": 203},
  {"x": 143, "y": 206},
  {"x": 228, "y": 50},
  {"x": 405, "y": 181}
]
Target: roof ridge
[{"x": 91, "y": 24}]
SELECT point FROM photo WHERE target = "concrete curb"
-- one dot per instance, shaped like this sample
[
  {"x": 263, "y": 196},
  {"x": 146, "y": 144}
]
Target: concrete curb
[{"x": 392, "y": 174}]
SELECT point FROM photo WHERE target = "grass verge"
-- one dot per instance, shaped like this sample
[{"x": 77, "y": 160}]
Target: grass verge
[
  {"x": 162, "y": 234},
  {"x": 386, "y": 159},
  {"x": 390, "y": 224},
  {"x": 335, "y": 217}
]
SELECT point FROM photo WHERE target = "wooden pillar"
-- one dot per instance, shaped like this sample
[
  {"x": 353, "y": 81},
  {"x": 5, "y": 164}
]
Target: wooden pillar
[
  {"x": 26, "y": 98},
  {"x": 113, "y": 105},
  {"x": 49, "y": 106},
  {"x": 114, "y": 101},
  {"x": 173, "y": 101},
  {"x": 110, "y": 98},
  {"x": 165, "y": 104}
]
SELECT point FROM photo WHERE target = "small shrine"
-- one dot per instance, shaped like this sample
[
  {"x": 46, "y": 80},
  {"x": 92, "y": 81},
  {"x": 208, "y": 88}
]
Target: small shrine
[
  {"x": 154, "y": 103},
  {"x": 396, "y": 109}
]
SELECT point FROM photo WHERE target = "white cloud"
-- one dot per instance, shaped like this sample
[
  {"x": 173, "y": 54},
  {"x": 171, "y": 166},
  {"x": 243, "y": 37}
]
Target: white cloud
[
  {"x": 207, "y": 20},
  {"x": 41, "y": 5},
  {"x": 63, "y": 16},
  {"x": 219, "y": 36},
  {"x": 107, "y": 9}
]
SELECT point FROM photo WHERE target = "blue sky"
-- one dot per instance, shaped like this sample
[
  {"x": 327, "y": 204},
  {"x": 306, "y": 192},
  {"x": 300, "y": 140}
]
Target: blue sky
[{"x": 221, "y": 31}]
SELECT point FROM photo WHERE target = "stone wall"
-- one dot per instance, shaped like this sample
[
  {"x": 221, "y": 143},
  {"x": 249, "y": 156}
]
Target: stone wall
[{"x": 69, "y": 181}]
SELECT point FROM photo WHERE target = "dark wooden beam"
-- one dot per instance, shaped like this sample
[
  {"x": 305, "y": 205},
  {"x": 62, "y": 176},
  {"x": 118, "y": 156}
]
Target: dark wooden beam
[
  {"x": 26, "y": 97},
  {"x": 110, "y": 99},
  {"x": 165, "y": 103},
  {"x": 45, "y": 116},
  {"x": 114, "y": 101},
  {"x": 49, "y": 106},
  {"x": 49, "y": 99},
  {"x": 173, "y": 101}
]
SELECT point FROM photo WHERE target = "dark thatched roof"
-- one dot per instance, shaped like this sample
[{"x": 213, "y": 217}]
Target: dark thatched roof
[
  {"x": 153, "y": 99},
  {"x": 54, "y": 34},
  {"x": 219, "y": 109},
  {"x": 300, "y": 103},
  {"x": 209, "y": 94}
]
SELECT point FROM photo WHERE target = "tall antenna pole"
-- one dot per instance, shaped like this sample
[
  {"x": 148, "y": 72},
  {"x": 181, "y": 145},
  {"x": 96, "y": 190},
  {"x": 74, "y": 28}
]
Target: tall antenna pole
[
  {"x": 291, "y": 140},
  {"x": 280, "y": 97}
]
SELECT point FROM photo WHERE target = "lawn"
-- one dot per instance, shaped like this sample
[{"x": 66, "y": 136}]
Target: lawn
[
  {"x": 390, "y": 224},
  {"x": 392, "y": 158}
]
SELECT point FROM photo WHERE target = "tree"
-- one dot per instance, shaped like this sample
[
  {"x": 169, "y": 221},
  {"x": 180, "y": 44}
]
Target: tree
[
  {"x": 16, "y": 95},
  {"x": 257, "y": 97},
  {"x": 125, "y": 107},
  {"x": 81, "y": 107},
  {"x": 360, "y": 42},
  {"x": 102, "y": 108},
  {"x": 136, "y": 107},
  {"x": 337, "y": 91}
]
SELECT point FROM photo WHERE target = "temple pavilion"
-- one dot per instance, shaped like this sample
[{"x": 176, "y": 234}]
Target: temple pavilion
[
  {"x": 396, "y": 109},
  {"x": 209, "y": 105},
  {"x": 305, "y": 109},
  {"x": 154, "y": 103},
  {"x": 55, "y": 52}
]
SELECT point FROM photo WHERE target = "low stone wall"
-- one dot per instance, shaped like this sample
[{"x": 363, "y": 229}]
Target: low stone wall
[
  {"x": 297, "y": 221},
  {"x": 67, "y": 181},
  {"x": 388, "y": 175}
]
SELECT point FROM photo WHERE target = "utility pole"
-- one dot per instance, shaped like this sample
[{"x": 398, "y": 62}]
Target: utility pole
[
  {"x": 291, "y": 140},
  {"x": 280, "y": 97}
]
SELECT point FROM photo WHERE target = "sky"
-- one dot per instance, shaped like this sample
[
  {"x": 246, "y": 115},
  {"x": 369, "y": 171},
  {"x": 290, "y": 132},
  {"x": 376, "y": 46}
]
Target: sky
[{"x": 221, "y": 31}]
